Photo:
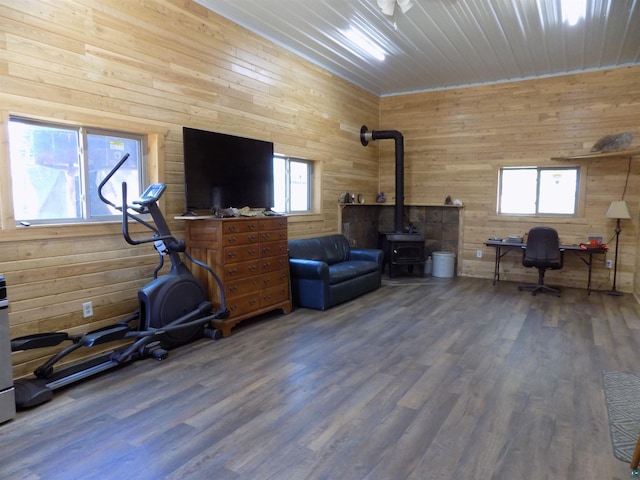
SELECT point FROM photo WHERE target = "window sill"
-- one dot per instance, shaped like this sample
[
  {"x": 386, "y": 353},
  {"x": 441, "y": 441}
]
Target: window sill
[{"x": 69, "y": 230}]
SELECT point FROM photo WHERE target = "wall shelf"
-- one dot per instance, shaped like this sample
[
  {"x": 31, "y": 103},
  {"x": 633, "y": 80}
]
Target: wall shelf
[{"x": 628, "y": 152}]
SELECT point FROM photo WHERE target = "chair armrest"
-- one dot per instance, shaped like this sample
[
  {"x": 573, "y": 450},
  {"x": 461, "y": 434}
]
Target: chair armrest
[
  {"x": 309, "y": 269},
  {"x": 370, "y": 254}
]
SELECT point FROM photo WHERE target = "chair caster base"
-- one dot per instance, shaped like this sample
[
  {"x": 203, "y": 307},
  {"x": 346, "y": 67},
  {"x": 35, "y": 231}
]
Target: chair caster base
[{"x": 540, "y": 288}]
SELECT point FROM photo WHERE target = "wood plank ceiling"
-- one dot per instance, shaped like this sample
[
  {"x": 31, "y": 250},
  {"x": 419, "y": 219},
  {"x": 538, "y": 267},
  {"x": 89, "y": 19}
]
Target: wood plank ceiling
[{"x": 438, "y": 44}]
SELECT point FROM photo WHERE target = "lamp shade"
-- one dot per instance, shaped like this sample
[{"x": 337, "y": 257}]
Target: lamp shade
[{"x": 618, "y": 209}]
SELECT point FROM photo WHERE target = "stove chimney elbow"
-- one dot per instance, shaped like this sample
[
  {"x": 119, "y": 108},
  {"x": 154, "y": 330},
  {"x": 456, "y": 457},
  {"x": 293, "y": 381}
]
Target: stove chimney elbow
[{"x": 365, "y": 135}]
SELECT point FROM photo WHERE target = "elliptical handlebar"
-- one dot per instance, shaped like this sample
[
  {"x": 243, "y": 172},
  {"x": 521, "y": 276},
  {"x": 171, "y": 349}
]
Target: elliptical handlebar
[
  {"x": 107, "y": 178},
  {"x": 149, "y": 205},
  {"x": 144, "y": 209}
]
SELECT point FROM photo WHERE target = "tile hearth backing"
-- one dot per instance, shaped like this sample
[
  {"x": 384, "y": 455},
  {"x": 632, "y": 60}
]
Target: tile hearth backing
[{"x": 439, "y": 225}]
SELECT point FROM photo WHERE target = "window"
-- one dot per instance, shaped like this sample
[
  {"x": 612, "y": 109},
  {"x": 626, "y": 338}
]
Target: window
[
  {"x": 538, "y": 190},
  {"x": 292, "y": 184},
  {"x": 56, "y": 170}
]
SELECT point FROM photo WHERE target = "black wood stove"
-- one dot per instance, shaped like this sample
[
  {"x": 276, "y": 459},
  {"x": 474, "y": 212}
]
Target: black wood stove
[
  {"x": 400, "y": 248},
  {"x": 403, "y": 250}
]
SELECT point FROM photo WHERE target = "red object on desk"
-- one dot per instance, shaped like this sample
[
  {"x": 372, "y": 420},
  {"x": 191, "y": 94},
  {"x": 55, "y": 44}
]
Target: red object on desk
[{"x": 594, "y": 244}]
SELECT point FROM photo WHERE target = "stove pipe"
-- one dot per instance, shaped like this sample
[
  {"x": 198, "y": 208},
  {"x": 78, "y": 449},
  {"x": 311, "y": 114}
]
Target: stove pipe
[{"x": 365, "y": 137}]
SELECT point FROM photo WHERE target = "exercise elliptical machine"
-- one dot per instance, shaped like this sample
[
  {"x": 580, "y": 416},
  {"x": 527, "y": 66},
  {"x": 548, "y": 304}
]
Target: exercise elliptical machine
[{"x": 172, "y": 309}]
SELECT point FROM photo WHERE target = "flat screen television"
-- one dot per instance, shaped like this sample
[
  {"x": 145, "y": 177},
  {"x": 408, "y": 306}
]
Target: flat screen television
[{"x": 223, "y": 171}]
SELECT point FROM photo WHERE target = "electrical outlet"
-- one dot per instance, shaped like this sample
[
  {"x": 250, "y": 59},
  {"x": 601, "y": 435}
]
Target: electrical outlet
[
  {"x": 608, "y": 263},
  {"x": 478, "y": 253},
  {"x": 87, "y": 309}
]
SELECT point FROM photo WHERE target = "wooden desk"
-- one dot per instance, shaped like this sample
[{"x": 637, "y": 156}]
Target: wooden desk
[{"x": 585, "y": 254}]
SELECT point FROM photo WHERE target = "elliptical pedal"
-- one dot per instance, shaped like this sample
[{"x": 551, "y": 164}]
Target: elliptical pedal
[{"x": 31, "y": 393}]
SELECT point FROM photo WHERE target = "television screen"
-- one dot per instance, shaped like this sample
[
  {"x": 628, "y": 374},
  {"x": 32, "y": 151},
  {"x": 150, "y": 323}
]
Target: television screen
[{"x": 223, "y": 171}]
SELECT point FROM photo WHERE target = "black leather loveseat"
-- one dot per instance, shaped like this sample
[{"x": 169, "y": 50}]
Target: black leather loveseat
[{"x": 325, "y": 271}]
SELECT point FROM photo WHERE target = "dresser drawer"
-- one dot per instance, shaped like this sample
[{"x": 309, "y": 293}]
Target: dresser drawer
[
  {"x": 273, "y": 235},
  {"x": 241, "y": 253},
  {"x": 273, "y": 249},
  {"x": 240, "y": 239},
  {"x": 277, "y": 223},
  {"x": 242, "y": 286},
  {"x": 273, "y": 279},
  {"x": 244, "y": 304},
  {"x": 273, "y": 295},
  {"x": 241, "y": 270},
  {"x": 242, "y": 226},
  {"x": 272, "y": 264}
]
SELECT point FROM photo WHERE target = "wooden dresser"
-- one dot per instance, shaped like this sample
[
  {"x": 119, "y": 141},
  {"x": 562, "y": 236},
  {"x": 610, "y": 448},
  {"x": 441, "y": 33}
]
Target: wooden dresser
[{"x": 250, "y": 256}]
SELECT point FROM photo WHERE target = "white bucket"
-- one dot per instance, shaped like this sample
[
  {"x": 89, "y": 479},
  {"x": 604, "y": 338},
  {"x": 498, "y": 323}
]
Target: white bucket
[{"x": 443, "y": 263}]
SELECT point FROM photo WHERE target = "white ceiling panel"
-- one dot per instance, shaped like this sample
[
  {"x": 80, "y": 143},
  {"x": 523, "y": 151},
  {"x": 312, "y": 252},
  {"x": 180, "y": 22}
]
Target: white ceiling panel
[{"x": 445, "y": 43}]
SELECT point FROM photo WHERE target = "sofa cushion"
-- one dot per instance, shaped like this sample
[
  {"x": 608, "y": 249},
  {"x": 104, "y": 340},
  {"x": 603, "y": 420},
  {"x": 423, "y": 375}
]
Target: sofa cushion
[
  {"x": 331, "y": 249},
  {"x": 350, "y": 269}
]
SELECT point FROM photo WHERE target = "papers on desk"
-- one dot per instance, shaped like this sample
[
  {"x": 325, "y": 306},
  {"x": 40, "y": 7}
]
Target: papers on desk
[{"x": 509, "y": 239}]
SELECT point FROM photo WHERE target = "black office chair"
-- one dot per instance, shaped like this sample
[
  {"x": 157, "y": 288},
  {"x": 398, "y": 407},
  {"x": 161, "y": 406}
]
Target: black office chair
[{"x": 542, "y": 252}]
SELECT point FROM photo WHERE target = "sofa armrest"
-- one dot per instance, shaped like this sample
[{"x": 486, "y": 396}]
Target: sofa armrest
[
  {"x": 309, "y": 269},
  {"x": 370, "y": 254}
]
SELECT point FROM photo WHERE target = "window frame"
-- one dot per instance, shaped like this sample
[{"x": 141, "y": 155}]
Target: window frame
[
  {"x": 287, "y": 181},
  {"x": 578, "y": 194},
  {"x": 82, "y": 132}
]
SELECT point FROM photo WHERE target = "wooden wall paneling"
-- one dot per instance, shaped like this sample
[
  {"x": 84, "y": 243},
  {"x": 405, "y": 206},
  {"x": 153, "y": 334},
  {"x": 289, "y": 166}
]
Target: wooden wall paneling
[
  {"x": 456, "y": 140},
  {"x": 153, "y": 68},
  {"x": 160, "y": 66}
]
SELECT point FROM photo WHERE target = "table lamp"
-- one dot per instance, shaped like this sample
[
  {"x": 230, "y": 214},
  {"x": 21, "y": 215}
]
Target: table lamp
[{"x": 617, "y": 210}]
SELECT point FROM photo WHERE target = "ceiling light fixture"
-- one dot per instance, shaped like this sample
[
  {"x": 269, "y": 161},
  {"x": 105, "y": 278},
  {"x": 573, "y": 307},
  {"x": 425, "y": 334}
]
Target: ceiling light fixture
[
  {"x": 364, "y": 43},
  {"x": 573, "y": 11},
  {"x": 388, "y": 6}
]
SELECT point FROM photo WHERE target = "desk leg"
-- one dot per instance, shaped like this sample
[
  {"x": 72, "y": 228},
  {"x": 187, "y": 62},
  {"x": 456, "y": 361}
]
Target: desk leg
[
  {"x": 496, "y": 268},
  {"x": 589, "y": 276}
]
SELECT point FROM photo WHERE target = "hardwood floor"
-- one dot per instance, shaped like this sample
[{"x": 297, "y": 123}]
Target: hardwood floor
[{"x": 435, "y": 379}]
